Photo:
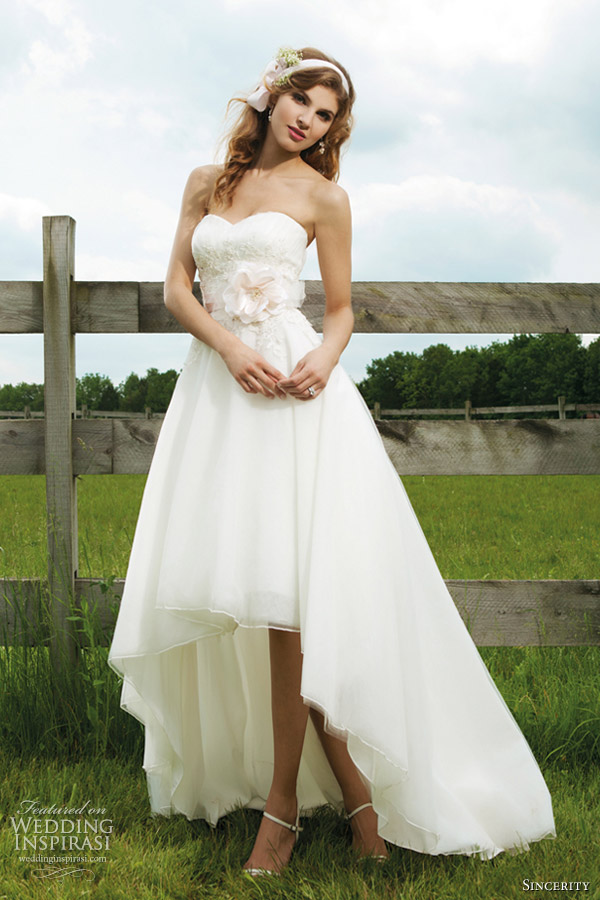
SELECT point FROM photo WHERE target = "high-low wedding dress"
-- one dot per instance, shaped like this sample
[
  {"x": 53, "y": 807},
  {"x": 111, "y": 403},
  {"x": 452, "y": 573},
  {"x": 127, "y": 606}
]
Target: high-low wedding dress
[{"x": 285, "y": 513}]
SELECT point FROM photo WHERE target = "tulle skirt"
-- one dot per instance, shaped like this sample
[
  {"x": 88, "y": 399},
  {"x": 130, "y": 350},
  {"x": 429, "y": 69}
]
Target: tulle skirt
[{"x": 280, "y": 513}]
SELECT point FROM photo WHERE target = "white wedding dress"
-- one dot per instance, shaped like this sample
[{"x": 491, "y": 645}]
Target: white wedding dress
[{"x": 285, "y": 513}]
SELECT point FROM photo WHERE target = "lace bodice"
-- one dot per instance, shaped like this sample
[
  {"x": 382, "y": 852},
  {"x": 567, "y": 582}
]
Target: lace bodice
[
  {"x": 261, "y": 254},
  {"x": 249, "y": 273}
]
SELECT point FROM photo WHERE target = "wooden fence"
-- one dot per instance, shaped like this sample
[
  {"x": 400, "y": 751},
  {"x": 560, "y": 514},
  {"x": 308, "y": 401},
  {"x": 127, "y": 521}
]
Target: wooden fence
[
  {"x": 83, "y": 413},
  {"x": 467, "y": 411},
  {"x": 544, "y": 612}
]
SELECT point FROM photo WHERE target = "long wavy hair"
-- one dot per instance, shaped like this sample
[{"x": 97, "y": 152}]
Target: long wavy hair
[{"x": 247, "y": 135}]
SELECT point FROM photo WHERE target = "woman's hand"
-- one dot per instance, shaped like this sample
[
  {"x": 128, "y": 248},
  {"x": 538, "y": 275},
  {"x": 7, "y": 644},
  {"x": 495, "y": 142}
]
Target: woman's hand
[
  {"x": 312, "y": 371},
  {"x": 252, "y": 371}
]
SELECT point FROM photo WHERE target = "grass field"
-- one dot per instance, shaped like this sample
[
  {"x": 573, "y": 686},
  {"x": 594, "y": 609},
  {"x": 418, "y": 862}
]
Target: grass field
[
  {"x": 67, "y": 740},
  {"x": 477, "y": 526}
]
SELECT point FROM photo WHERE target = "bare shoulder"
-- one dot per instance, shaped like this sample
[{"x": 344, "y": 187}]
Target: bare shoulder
[
  {"x": 200, "y": 183},
  {"x": 331, "y": 204}
]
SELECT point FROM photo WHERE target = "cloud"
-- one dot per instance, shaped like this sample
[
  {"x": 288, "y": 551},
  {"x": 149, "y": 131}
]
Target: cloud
[
  {"x": 21, "y": 237},
  {"x": 474, "y": 155},
  {"x": 65, "y": 49},
  {"x": 24, "y": 212},
  {"x": 55, "y": 11},
  {"x": 153, "y": 122},
  {"x": 440, "y": 228}
]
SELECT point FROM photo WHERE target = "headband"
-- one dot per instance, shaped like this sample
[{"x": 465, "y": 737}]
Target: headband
[{"x": 279, "y": 70}]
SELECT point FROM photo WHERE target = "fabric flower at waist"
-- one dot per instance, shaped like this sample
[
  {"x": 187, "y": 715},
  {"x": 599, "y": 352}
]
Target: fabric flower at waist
[{"x": 254, "y": 293}]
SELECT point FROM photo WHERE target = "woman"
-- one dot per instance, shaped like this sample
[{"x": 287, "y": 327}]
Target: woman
[{"x": 285, "y": 635}]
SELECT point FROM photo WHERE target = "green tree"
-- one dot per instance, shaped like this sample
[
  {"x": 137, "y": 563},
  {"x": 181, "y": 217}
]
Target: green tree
[
  {"x": 17, "y": 397},
  {"x": 160, "y": 387},
  {"x": 132, "y": 393},
  {"x": 96, "y": 391},
  {"x": 526, "y": 369},
  {"x": 540, "y": 367},
  {"x": 591, "y": 373},
  {"x": 492, "y": 364},
  {"x": 110, "y": 398},
  {"x": 432, "y": 379},
  {"x": 386, "y": 379}
]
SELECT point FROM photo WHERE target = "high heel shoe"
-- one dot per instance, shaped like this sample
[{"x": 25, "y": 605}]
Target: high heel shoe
[
  {"x": 295, "y": 827},
  {"x": 378, "y": 856}
]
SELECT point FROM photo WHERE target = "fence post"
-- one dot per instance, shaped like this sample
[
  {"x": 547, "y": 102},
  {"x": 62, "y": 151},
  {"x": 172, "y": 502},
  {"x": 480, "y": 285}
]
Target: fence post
[
  {"x": 467, "y": 410},
  {"x": 59, "y": 410},
  {"x": 561, "y": 408},
  {"x": 377, "y": 410}
]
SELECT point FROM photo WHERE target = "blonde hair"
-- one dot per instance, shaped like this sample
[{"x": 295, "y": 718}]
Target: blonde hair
[{"x": 247, "y": 135}]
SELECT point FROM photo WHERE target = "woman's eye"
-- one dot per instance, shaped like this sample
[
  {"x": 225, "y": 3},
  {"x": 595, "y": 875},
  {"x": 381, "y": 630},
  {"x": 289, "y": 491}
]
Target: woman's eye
[{"x": 299, "y": 97}]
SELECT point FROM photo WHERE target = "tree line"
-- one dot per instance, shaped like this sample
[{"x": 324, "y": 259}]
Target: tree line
[
  {"x": 134, "y": 394},
  {"x": 527, "y": 369}
]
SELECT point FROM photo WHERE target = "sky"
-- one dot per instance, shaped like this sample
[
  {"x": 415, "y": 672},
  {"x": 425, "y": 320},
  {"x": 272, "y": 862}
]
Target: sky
[{"x": 474, "y": 155}]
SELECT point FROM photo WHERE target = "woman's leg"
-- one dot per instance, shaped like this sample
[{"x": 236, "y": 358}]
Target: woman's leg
[
  {"x": 365, "y": 839},
  {"x": 274, "y": 844}
]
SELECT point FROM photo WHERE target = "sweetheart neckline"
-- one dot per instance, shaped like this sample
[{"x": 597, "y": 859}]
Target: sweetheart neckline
[{"x": 265, "y": 212}]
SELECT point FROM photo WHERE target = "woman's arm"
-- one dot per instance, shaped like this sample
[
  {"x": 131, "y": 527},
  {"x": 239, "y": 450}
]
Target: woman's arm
[
  {"x": 333, "y": 232},
  {"x": 247, "y": 366},
  {"x": 179, "y": 279}
]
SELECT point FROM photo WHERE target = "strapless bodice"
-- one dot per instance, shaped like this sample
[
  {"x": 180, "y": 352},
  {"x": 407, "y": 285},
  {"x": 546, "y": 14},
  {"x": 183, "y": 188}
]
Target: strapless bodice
[{"x": 250, "y": 268}]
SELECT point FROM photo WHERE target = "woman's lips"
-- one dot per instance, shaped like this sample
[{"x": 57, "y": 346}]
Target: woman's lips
[{"x": 294, "y": 134}]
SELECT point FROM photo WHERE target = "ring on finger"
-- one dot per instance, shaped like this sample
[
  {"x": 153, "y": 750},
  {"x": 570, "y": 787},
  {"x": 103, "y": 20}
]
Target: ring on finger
[{"x": 311, "y": 391}]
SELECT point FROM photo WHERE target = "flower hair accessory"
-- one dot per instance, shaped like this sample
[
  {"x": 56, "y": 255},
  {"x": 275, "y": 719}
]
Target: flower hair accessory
[{"x": 279, "y": 70}]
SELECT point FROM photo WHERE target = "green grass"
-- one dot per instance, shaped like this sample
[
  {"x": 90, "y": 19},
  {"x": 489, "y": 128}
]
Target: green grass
[
  {"x": 65, "y": 739},
  {"x": 174, "y": 858},
  {"x": 511, "y": 526},
  {"x": 538, "y": 526}
]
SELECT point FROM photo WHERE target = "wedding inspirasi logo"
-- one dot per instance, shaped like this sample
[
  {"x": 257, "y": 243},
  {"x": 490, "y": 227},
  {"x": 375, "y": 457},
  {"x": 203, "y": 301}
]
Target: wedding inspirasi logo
[{"x": 53, "y": 829}]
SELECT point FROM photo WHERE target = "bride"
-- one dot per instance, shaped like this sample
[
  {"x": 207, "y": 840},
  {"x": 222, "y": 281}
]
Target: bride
[
  {"x": 284, "y": 159},
  {"x": 269, "y": 549}
]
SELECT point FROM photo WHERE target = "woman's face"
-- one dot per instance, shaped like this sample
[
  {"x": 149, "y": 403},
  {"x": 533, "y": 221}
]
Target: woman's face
[{"x": 302, "y": 117}]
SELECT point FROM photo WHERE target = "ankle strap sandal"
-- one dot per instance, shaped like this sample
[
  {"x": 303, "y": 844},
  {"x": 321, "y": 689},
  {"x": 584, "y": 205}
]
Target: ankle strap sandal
[{"x": 295, "y": 827}]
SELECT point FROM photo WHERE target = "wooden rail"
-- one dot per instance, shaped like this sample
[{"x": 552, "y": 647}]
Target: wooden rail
[
  {"x": 83, "y": 413},
  {"x": 468, "y": 411},
  {"x": 61, "y": 446},
  {"x": 378, "y": 413}
]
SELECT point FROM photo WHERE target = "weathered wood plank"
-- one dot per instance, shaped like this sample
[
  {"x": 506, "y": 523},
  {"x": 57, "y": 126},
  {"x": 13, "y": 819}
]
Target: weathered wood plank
[
  {"x": 548, "y": 613},
  {"x": 503, "y": 447},
  {"x": 22, "y": 447},
  {"x": 21, "y": 310},
  {"x": 154, "y": 316},
  {"x": 505, "y": 308},
  {"x": 134, "y": 441},
  {"x": 529, "y": 613},
  {"x": 379, "y": 307},
  {"x": 490, "y": 410},
  {"x": 108, "y": 307},
  {"x": 59, "y": 406},
  {"x": 93, "y": 446},
  {"x": 378, "y": 412},
  {"x": 432, "y": 307}
]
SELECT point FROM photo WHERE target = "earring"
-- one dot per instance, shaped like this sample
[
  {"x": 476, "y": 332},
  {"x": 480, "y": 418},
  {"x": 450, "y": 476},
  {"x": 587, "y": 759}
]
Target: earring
[
  {"x": 321, "y": 146},
  {"x": 270, "y": 113}
]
